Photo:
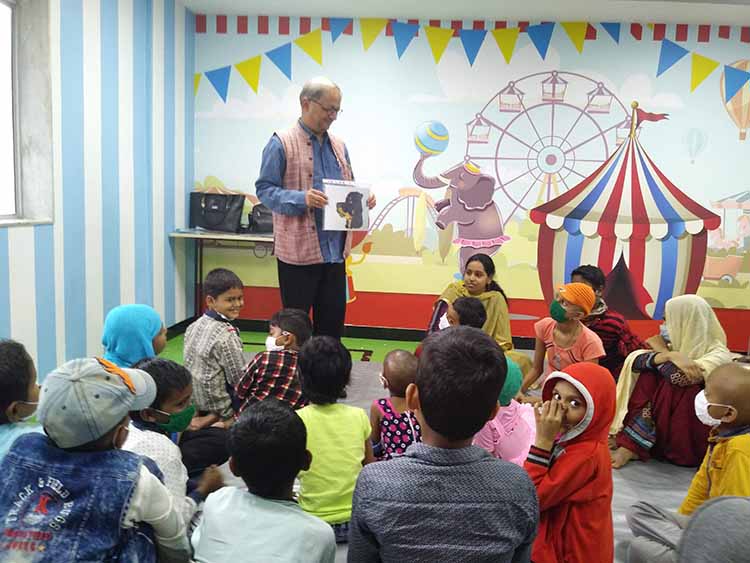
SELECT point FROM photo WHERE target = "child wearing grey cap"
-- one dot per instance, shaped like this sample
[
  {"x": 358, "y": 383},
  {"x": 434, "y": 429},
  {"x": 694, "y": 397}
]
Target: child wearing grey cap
[{"x": 73, "y": 494}]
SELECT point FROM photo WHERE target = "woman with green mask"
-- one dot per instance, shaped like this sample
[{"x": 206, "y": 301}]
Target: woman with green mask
[{"x": 155, "y": 430}]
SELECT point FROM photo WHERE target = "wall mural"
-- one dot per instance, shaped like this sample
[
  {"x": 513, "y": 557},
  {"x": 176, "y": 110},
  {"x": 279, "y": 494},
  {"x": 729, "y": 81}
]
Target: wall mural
[{"x": 544, "y": 145}]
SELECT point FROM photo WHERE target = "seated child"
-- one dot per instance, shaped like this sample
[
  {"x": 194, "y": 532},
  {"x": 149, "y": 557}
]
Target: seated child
[
  {"x": 268, "y": 449},
  {"x": 444, "y": 499},
  {"x": 338, "y": 436},
  {"x": 273, "y": 373},
  {"x": 569, "y": 464},
  {"x": 704, "y": 540},
  {"x": 152, "y": 429},
  {"x": 510, "y": 434},
  {"x": 562, "y": 337},
  {"x": 213, "y": 349},
  {"x": 467, "y": 311},
  {"x": 89, "y": 498},
  {"x": 19, "y": 394},
  {"x": 133, "y": 333},
  {"x": 724, "y": 406},
  {"x": 394, "y": 426}
]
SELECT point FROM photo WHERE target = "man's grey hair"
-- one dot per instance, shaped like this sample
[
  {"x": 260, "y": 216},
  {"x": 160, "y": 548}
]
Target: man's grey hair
[{"x": 315, "y": 88}]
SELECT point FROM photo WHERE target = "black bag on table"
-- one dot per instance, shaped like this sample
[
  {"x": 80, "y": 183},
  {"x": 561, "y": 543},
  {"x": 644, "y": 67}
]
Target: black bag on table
[
  {"x": 216, "y": 212},
  {"x": 261, "y": 219}
]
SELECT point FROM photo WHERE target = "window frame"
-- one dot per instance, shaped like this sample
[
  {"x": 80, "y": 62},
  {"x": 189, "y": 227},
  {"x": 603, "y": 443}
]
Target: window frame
[{"x": 17, "y": 192}]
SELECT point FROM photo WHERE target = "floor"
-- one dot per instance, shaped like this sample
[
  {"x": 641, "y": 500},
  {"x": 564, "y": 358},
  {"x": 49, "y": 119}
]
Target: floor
[{"x": 656, "y": 482}]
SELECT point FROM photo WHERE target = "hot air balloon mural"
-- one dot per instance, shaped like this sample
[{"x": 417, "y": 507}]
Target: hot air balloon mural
[
  {"x": 695, "y": 141},
  {"x": 627, "y": 212},
  {"x": 738, "y": 107}
]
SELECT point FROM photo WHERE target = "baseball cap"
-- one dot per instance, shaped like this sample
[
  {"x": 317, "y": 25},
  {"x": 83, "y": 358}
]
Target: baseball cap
[{"x": 84, "y": 399}]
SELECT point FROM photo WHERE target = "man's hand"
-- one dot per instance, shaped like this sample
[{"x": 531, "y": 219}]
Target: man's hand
[
  {"x": 315, "y": 199},
  {"x": 210, "y": 481},
  {"x": 371, "y": 202},
  {"x": 549, "y": 417}
]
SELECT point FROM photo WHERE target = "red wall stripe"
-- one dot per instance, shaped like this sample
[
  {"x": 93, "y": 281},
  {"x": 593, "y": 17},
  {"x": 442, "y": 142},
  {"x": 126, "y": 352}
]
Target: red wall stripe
[
  {"x": 681, "y": 34},
  {"x": 242, "y": 24},
  {"x": 478, "y": 24},
  {"x": 457, "y": 26},
  {"x": 325, "y": 24},
  {"x": 704, "y": 33},
  {"x": 501, "y": 24},
  {"x": 389, "y": 28},
  {"x": 724, "y": 31},
  {"x": 660, "y": 30},
  {"x": 590, "y": 32},
  {"x": 283, "y": 25},
  {"x": 263, "y": 25},
  {"x": 434, "y": 23},
  {"x": 636, "y": 30},
  {"x": 522, "y": 26},
  {"x": 745, "y": 35},
  {"x": 305, "y": 25},
  {"x": 221, "y": 24},
  {"x": 200, "y": 23}
]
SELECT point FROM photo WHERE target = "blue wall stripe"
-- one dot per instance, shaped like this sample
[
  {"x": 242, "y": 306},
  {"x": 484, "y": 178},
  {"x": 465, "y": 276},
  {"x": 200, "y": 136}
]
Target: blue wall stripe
[
  {"x": 670, "y": 248},
  {"x": 169, "y": 151},
  {"x": 189, "y": 147},
  {"x": 110, "y": 156},
  {"x": 4, "y": 285},
  {"x": 573, "y": 251},
  {"x": 46, "y": 319},
  {"x": 72, "y": 193},
  {"x": 142, "y": 141}
]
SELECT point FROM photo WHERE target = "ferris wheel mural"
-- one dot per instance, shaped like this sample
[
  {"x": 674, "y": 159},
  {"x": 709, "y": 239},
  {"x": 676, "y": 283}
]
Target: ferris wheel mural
[{"x": 542, "y": 134}]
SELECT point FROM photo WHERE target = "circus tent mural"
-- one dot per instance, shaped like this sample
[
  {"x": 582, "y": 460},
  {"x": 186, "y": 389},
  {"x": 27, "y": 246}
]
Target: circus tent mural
[{"x": 626, "y": 211}]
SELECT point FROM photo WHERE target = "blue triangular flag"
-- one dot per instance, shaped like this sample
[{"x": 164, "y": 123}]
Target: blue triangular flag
[
  {"x": 613, "y": 29},
  {"x": 282, "y": 58},
  {"x": 472, "y": 40},
  {"x": 219, "y": 77},
  {"x": 734, "y": 80},
  {"x": 338, "y": 26},
  {"x": 540, "y": 36},
  {"x": 670, "y": 53},
  {"x": 403, "y": 33}
]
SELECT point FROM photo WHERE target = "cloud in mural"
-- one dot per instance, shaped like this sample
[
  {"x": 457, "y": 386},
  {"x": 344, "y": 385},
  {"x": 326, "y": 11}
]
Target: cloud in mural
[
  {"x": 266, "y": 105},
  {"x": 640, "y": 87}
]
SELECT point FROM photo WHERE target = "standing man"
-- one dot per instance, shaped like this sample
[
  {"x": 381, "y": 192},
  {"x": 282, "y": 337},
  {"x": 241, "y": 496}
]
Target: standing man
[{"x": 310, "y": 260}]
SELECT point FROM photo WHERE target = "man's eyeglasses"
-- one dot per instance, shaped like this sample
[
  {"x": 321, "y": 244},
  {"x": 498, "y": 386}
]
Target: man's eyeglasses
[{"x": 330, "y": 111}]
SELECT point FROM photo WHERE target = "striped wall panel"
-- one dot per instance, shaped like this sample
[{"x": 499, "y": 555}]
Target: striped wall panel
[{"x": 122, "y": 113}]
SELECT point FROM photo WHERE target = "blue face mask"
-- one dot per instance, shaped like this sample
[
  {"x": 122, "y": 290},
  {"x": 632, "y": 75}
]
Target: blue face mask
[{"x": 664, "y": 333}]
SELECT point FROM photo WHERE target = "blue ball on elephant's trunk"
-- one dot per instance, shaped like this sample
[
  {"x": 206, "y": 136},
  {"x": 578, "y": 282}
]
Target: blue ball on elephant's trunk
[{"x": 431, "y": 137}]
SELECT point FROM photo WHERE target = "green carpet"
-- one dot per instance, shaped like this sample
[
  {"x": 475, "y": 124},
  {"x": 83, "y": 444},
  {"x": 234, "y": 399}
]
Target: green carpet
[{"x": 362, "y": 349}]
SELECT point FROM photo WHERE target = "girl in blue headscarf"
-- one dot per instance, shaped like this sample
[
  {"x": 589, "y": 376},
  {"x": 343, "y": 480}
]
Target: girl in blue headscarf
[{"x": 133, "y": 333}]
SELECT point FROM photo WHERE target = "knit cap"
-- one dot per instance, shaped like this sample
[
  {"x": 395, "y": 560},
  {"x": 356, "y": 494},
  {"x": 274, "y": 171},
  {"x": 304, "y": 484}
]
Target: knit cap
[{"x": 578, "y": 294}]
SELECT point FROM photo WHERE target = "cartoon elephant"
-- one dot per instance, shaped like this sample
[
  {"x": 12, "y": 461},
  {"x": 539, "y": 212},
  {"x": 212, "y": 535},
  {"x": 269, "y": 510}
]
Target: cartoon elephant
[{"x": 470, "y": 206}]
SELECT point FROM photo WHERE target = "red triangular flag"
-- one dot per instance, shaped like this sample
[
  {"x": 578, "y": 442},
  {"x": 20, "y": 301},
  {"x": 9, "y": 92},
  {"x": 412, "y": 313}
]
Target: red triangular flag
[{"x": 642, "y": 116}]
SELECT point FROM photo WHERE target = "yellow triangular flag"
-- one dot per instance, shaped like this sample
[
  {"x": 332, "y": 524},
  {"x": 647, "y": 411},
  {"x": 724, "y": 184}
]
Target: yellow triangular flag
[
  {"x": 700, "y": 69},
  {"x": 196, "y": 81},
  {"x": 438, "y": 38},
  {"x": 371, "y": 28},
  {"x": 650, "y": 26},
  {"x": 312, "y": 44},
  {"x": 577, "y": 33},
  {"x": 250, "y": 71},
  {"x": 506, "y": 41}
]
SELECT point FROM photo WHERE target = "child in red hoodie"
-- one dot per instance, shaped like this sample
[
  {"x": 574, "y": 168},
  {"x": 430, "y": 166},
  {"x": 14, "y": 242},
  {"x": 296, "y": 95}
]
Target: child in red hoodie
[{"x": 570, "y": 466}]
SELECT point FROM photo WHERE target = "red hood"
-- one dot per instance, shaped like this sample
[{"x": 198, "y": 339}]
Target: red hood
[{"x": 598, "y": 388}]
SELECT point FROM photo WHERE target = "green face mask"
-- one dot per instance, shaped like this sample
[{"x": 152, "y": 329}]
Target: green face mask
[
  {"x": 558, "y": 312},
  {"x": 178, "y": 421}
]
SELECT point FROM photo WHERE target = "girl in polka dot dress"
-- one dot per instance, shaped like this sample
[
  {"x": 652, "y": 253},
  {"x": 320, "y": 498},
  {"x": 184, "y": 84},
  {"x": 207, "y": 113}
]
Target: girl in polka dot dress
[{"x": 394, "y": 427}]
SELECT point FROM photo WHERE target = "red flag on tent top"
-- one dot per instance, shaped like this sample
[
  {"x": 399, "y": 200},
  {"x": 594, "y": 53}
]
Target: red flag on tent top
[{"x": 642, "y": 116}]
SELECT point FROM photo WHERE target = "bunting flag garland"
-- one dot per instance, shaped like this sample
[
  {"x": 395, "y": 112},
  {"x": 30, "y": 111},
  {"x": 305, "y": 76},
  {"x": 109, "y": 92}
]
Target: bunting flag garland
[
  {"x": 219, "y": 78},
  {"x": 614, "y": 31},
  {"x": 250, "y": 71},
  {"x": 438, "y": 38},
  {"x": 734, "y": 80},
  {"x": 506, "y": 41},
  {"x": 403, "y": 34},
  {"x": 338, "y": 26},
  {"x": 312, "y": 44},
  {"x": 371, "y": 28},
  {"x": 577, "y": 33},
  {"x": 196, "y": 82},
  {"x": 472, "y": 40},
  {"x": 700, "y": 68},
  {"x": 670, "y": 54},
  {"x": 540, "y": 36},
  {"x": 282, "y": 58}
]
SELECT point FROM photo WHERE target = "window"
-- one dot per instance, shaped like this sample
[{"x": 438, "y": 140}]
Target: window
[{"x": 9, "y": 204}]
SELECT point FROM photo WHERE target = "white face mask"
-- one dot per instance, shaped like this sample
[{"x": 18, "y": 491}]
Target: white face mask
[
  {"x": 443, "y": 323},
  {"x": 271, "y": 345},
  {"x": 701, "y": 410}
]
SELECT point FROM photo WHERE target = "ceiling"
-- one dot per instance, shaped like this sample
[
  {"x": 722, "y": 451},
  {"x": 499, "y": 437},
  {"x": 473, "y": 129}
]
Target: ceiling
[{"x": 735, "y": 12}]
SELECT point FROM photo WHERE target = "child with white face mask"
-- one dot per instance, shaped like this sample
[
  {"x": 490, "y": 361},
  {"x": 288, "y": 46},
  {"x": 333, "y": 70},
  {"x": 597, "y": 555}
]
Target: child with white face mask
[
  {"x": 724, "y": 406},
  {"x": 273, "y": 373}
]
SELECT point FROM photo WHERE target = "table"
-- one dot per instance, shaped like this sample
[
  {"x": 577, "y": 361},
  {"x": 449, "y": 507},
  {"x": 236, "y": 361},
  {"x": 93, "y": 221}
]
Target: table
[{"x": 201, "y": 237}]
